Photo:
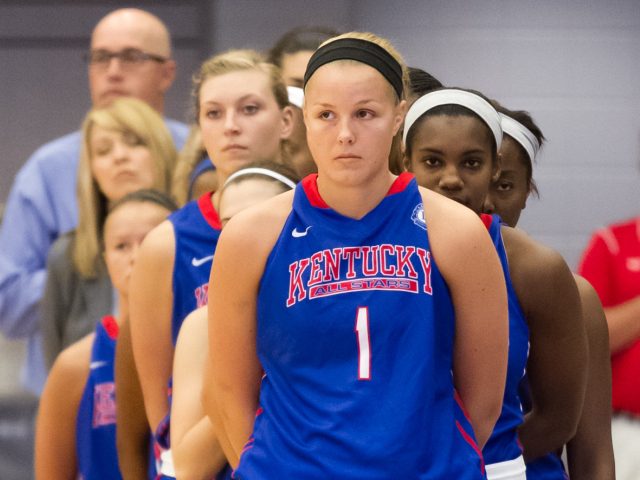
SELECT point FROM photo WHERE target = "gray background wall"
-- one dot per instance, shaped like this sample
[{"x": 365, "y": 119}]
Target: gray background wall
[{"x": 573, "y": 64}]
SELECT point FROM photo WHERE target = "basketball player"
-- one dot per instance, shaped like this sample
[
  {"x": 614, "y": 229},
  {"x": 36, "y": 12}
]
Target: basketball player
[
  {"x": 244, "y": 116},
  {"x": 589, "y": 452},
  {"x": 334, "y": 352},
  {"x": 194, "y": 445},
  {"x": 452, "y": 138},
  {"x": 75, "y": 431}
]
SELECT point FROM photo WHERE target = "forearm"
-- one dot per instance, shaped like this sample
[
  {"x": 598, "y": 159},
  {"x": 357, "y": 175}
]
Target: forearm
[
  {"x": 232, "y": 423},
  {"x": 132, "y": 432},
  {"x": 133, "y": 453},
  {"x": 624, "y": 324},
  {"x": 589, "y": 461},
  {"x": 541, "y": 434},
  {"x": 198, "y": 454}
]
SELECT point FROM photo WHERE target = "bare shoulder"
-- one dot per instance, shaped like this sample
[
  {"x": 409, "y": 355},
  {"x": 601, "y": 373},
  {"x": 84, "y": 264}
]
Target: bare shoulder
[
  {"x": 194, "y": 326},
  {"x": 594, "y": 317},
  {"x": 71, "y": 367},
  {"x": 529, "y": 257},
  {"x": 160, "y": 241}
]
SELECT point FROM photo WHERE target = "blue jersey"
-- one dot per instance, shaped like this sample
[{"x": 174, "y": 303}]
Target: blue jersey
[
  {"x": 196, "y": 229},
  {"x": 503, "y": 445},
  {"x": 355, "y": 329},
  {"x": 96, "y": 423}
]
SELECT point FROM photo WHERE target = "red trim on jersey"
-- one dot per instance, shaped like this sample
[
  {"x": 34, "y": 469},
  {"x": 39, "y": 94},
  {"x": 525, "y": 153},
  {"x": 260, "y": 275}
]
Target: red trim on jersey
[
  {"x": 473, "y": 444},
  {"x": 111, "y": 326},
  {"x": 208, "y": 211},
  {"x": 468, "y": 438},
  {"x": 486, "y": 219},
  {"x": 400, "y": 183},
  {"x": 310, "y": 186}
]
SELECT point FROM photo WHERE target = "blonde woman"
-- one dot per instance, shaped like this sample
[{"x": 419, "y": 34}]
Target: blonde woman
[
  {"x": 125, "y": 147},
  {"x": 343, "y": 343},
  {"x": 243, "y": 112}
]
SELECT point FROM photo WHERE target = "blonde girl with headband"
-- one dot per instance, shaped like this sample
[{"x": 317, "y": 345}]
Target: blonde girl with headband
[
  {"x": 244, "y": 116},
  {"x": 452, "y": 139},
  {"x": 125, "y": 147},
  {"x": 350, "y": 337},
  {"x": 194, "y": 445},
  {"x": 589, "y": 452}
]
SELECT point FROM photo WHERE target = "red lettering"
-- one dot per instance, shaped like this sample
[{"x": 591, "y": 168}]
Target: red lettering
[
  {"x": 351, "y": 253},
  {"x": 370, "y": 263},
  {"x": 331, "y": 264},
  {"x": 296, "y": 269},
  {"x": 425, "y": 261},
  {"x": 385, "y": 268},
  {"x": 404, "y": 261}
]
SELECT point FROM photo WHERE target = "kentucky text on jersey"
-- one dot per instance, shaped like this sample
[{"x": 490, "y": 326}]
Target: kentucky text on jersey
[{"x": 350, "y": 269}]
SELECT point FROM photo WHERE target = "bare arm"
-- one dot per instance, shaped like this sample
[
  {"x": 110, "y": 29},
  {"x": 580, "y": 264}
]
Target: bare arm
[
  {"x": 231, "y": 391},
  {"x": 589, "y": 452},
  {"x": 558, "y": 357},
  {"x": 195, "y": 448},
  {"x": 55, "y": 443},
  {"x": 469, "y": 263},
  {"x": 132, "y": 432},
  {"x": 151, "y": 303}
]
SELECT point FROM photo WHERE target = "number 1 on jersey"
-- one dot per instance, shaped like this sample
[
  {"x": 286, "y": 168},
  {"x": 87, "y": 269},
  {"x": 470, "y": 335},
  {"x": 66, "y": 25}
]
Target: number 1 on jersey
[{"x": 364, "y": 350}]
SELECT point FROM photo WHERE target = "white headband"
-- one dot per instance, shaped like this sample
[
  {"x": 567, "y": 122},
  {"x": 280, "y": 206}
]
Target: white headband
[
  {"x": 521, "y": 134},
  {"x": 296, "y": 96},
  {"x": 260, "y": 171},
  {"x": 452, "y": 96}
]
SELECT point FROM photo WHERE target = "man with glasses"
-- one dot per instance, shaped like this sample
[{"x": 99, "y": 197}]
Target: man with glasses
[{"x": 130, "y": 55}]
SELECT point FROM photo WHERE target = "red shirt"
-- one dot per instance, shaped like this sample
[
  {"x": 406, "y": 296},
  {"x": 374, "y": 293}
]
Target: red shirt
[{"x": 611, "y": 263}]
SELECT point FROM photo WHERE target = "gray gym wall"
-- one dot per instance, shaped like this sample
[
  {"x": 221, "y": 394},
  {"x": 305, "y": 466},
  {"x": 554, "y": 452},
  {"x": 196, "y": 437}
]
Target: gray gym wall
[{"x": 573, "y": 64}]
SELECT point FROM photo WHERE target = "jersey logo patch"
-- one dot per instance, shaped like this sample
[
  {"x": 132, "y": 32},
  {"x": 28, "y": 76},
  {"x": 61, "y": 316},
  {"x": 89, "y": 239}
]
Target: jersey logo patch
[
  {"x": 98, "y": 364},
  {"x": 196, "y": 262},
  {"x": 417, "y": 217},
  {"x": 104, "y": 404},
  {"x": 295, "y": 233}
]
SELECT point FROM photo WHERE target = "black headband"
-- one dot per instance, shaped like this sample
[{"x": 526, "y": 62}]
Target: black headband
[{"x": 361, "y": 51}]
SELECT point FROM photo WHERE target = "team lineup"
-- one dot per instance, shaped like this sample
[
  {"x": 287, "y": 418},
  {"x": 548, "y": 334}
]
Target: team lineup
[{"x": 320, "y": 278}]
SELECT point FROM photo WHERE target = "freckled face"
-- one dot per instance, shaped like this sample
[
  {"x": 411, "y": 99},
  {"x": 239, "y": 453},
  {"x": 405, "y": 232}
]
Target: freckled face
[
  {"x": 452, "y": 155},
  {"x": 351, "y": 116},
  {"x": 240, "y": 120}
]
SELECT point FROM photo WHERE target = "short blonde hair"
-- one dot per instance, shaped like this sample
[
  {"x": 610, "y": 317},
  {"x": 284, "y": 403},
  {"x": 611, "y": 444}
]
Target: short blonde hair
[
  {"x": 123, "y": 115},
  {"x": 234, "y": 61},
  {"x": 396, "y": 164}
]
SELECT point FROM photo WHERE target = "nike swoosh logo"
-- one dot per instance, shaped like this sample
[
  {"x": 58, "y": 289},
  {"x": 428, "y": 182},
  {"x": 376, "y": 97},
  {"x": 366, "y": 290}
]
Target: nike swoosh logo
[
  {"x": 196, "y": 262},
  {"x": 95, "y": 365},
  {"x": 297, "y": 234}
]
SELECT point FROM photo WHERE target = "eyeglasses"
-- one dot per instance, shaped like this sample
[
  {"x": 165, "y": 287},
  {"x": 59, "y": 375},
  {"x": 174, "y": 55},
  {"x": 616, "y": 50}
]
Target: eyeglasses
[{"x": 129, "y": 57}]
